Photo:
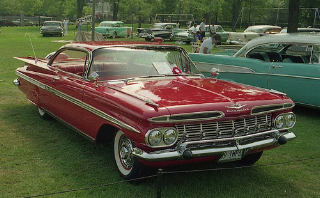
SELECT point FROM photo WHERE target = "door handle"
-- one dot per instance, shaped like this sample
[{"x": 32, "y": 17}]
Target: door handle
[{"x": 276, "y": 66}]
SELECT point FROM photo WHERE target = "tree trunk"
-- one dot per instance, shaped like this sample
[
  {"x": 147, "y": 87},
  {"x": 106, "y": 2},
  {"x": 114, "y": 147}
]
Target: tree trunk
[
  {"x": 115, "y": 10},
  {"x": 235, "y": 14},
  {"x": 293, "y": 21},
  {"x": 80, "y": 4}
]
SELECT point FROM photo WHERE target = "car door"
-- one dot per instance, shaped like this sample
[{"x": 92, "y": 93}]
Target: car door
[
  {"x": 67, "y": 86},
  {"x": 298, "y": 78}
]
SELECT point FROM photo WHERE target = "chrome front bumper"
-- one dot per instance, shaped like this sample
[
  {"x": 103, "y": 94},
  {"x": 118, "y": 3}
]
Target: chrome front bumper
[{"x": 182, "y": 152}]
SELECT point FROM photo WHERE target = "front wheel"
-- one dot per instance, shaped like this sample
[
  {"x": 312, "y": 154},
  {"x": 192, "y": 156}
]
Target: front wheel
[{"x": 128, "y": 166}]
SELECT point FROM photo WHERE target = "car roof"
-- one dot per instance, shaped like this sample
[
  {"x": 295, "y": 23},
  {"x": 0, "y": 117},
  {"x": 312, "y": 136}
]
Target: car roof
[
  {"x": 111, "y": 22},
  {"x": 167, "y": 23},
  {"x": 262, "y": 27},
  {"x": 52, "y": 22},
  {"x": 92, "y": 45},
  {"x": 285, "y": 38}
]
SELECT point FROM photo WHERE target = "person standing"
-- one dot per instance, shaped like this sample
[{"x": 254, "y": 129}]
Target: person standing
[
  {"x": 208, "y": 44},
  {"x": 213, "y": 29},
  {"x": 80, "y": 25},
  {"x": 202, "y": 28},
  {"x": 65, "y": 24},
  {"x": 194, "y": 32}
]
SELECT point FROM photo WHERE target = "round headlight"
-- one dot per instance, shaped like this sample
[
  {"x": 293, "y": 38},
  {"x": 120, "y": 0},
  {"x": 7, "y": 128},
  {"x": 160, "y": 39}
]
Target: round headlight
[
  {"x": 154, "y": 138},
  {"x": 279, "y": 122},
  {"x": 169, "y": 136},
  {"x": 290, "y": 120}
]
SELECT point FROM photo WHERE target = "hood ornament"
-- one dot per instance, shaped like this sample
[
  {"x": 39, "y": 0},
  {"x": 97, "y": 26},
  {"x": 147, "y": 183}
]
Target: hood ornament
[{"x": 236, "y": 106}]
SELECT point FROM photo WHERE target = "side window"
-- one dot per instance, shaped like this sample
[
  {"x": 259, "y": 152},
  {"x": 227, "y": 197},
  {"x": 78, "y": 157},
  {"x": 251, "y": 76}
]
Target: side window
[
  {"x": 72, "y": 61},
  {"x": 302, "y": 54}
]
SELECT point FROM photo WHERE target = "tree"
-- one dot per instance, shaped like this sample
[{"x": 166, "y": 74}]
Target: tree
[
  {"x": 80, "y": 5},
  {"x": 293, "y": 20}
]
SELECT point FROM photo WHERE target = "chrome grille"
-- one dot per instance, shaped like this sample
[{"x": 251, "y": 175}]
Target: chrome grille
[{"x": 224, "y": 129}]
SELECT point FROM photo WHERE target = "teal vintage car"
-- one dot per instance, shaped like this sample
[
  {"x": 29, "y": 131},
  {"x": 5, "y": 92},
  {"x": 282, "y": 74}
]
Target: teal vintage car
[
  {"x": 288, "y": 63},
  {"x": 113, "y": 29}
]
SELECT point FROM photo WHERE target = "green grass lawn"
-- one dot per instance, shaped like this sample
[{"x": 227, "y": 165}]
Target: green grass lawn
[{"x": 42, "y": 157}]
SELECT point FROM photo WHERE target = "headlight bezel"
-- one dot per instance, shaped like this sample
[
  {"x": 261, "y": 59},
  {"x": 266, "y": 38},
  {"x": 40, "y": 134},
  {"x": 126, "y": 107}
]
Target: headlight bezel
[
  {"x": 285, "y": 121},
  {"x": 170, "y": 139}
]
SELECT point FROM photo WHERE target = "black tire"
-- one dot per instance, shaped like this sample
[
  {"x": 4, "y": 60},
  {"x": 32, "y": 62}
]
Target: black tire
[
  {"x": 43, "y": 114},
  {"x": 128, "y": 166},
  {"x": 147, "y": 39},
  {"x": 251, "y": 158}
]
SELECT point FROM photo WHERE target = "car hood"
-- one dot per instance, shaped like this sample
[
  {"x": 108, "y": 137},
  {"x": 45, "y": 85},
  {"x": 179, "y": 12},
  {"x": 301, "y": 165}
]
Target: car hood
[{"x": 184, "y": 95}]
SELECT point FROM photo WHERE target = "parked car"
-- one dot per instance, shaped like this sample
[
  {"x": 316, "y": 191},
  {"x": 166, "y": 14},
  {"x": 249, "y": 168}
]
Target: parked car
[
  {"x": 303, "y": 30},
  {"x": 187, "y": 36},
  {"x": 252, "y": 32},
  {"x": 25, "y": 23},
  {"x": 6, "y": 23},
  {"x": 285, "y": 62},
  {"x": 51, "y": 28},
  {"x": 155, "y": 105},
  {"x": 161, "y": 30},
  {"x": 113, "y": 29}
]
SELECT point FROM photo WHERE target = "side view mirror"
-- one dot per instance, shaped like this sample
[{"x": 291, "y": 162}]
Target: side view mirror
[
  {"x": 214, "y": 72},
  {"x": 94, "y": 77}
]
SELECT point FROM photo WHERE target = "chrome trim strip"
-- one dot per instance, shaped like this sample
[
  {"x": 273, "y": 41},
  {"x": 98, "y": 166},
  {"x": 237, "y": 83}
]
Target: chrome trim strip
[
  {"x": 78, "y": 103},
  {"x": 176, "y": 154},
  {"x": 171, "y": 118},
  {"x": 281, "y": 107}
]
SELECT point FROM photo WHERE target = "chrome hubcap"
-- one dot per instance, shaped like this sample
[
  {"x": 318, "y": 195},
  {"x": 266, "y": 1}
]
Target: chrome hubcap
[{"x": 125, "y": 152}]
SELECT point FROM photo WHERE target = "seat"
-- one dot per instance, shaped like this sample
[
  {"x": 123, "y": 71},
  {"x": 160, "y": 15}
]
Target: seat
[{"x": 274, "y": 57}]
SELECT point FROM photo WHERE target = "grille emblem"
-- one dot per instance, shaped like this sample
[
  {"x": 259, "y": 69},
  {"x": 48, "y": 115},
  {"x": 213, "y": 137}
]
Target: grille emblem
[{"x": 236, "y": 106}]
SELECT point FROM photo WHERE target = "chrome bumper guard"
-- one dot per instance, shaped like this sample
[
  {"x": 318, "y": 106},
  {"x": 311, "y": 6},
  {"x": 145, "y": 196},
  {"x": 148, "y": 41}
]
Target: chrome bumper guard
[{"x": 181, "y": 150}]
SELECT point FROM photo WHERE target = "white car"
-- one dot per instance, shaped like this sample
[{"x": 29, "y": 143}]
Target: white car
[{"x": 252, "y": 32}]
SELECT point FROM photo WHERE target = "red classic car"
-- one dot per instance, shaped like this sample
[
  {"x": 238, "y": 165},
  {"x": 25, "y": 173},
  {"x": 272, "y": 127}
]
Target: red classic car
[{"x": 155, "y": 105}]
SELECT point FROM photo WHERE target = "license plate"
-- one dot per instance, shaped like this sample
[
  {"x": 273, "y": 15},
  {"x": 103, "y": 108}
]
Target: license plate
[{"x": 231, "y": 156}]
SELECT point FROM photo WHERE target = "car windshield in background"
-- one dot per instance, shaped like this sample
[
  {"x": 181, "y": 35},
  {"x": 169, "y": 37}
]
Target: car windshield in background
[
  {"x": 52, "y": 24},
  {"x": 134, "y": 62},
  {"x": 111, "y": 25}
]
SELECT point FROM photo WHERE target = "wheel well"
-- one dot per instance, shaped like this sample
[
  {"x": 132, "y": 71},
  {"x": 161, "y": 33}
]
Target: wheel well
[{"x": 106, "y": 134}]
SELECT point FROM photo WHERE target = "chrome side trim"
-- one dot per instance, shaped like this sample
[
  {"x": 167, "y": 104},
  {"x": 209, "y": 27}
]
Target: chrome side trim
[
  {"x": 78, "y": 103},
  {"x": 177, "y": 153}
]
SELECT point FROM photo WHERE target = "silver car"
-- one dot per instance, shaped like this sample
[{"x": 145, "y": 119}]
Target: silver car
[{"x": 51, "y": 28}]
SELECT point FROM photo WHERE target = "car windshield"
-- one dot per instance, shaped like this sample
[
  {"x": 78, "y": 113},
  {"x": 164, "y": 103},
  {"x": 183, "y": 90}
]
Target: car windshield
[
  {"x": 130, "y": 62},
  {"x": 52, "y": 24},
  {"x": 158, "y": 26},
  {"x": 111, "y": 25}
]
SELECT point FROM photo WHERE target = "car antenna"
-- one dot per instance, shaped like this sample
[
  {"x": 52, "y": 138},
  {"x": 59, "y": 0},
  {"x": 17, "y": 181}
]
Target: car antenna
[{"x": 34, "y": 53}]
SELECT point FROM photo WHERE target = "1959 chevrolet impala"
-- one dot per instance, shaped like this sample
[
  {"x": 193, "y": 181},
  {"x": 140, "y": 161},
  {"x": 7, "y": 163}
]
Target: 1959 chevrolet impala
[{"x": 155, "y": 105}]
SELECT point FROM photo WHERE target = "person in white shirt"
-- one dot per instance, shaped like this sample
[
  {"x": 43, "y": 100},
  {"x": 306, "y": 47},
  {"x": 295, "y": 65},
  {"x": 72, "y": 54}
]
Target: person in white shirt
[
  {"x": 202, "y": 28},
  {"x": 65, "y": 23},
  {"x": 194, "y": 32},
  {"x": 208, "y": 44}
]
